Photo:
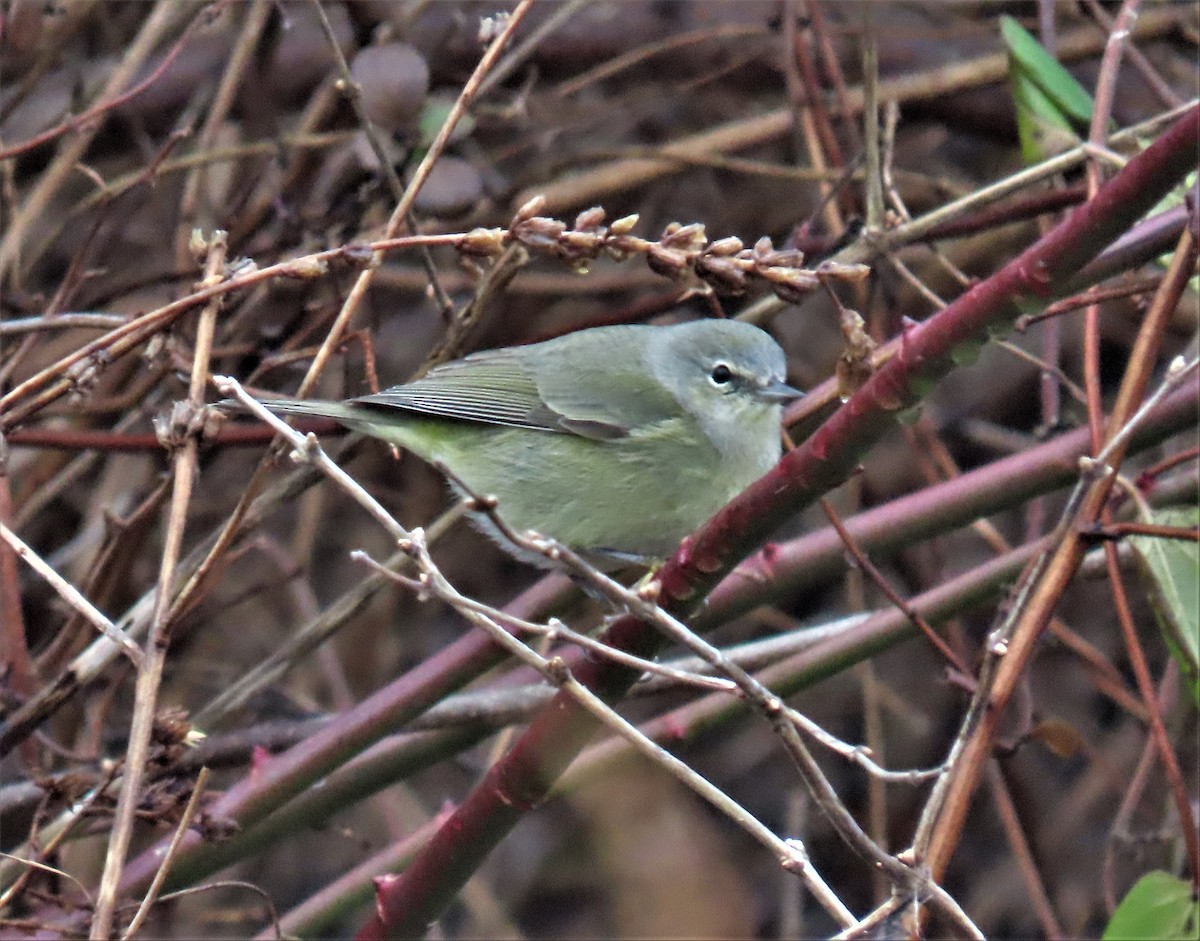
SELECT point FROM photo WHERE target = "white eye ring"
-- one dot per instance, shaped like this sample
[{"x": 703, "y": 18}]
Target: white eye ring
[{"x": 721, "y": 375}]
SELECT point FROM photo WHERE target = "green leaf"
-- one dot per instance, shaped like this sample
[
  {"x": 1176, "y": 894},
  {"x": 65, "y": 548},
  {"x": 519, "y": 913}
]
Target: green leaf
[
  {"x": 1028, "y": 57},
  {"x": 1048, "y": 99},
  {"x": 1041, "y": 127},
  {"x": 1171, "y": 568},
  {"x": 1159, "y": 906}
]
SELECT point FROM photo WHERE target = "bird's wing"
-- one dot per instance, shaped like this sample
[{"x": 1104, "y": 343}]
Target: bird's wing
[
  {"x": 546, "y": 387},
  {"x": 491, "y": 387},
  {"x": 607, "y": 396}
]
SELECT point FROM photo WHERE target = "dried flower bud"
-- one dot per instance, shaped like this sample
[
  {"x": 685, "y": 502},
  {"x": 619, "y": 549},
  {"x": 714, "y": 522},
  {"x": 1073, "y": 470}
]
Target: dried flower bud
[
  {"x": 84, "y": 374},
  {"x": 767, "y": 256},
  {"x": 240, "y": 267},
  {"x": 539, "y": 232},
  {"x": 790, "y": 284},
  {"x": 854, "y": 365},
  {"x": 620, "y": 247},
  {"x": 182, "y": 422},
  {"x": 584, "y": 243},
  {"x": 528, "y": 211},
  {"x": 624, "y": 225},
  {"x": 688, "y": 237},
  {"x": 724, "y": 274},
  {"x": 841, "y": 272},
  {"x": 726, "y": 246},
  {"x": 305, "y": 269},
  {"x": 665, "y": 261},
  {"x": 791, "y": 293},
  {"x": 590, "y": 218},
  {"x": 482, "y": 243},
  {"x": 155, "y": 347},
  {"x": 198, "y": 245},
  {"x": 170, "y": 726}
]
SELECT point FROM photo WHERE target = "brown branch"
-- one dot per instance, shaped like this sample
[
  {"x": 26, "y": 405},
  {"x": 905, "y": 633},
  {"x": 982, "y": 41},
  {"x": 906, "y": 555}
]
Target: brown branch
[
  {"x": 17, "y": 661},
  {"x": 1014, "y": 644},
  {"x": 1106, "y": 84},
  {"x": 1146, "y": 478},
  {"x": 1015, "y": 833},
  {"x": 1158, "y": 728},
  {"x": 1096, "y": 295},
  {"x": 150, "y": 671}
]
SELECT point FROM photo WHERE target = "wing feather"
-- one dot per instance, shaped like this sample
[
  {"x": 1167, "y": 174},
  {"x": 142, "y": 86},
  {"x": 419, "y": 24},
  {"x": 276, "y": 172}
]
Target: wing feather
[
  {"x": 558, "y": 386},
  {"x": 490, "y": 387}
]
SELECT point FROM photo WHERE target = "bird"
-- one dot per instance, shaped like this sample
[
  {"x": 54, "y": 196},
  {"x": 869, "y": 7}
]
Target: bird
[{"x": 615, "y": 441}]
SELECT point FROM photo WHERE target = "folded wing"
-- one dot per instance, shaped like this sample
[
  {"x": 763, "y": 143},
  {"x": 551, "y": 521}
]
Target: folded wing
[{"x": 551, "y": 387}]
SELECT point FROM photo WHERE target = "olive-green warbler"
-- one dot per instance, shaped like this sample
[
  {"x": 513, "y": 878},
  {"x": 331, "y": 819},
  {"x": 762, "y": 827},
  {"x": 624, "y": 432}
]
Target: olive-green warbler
[{"x": 615, "y": 441}]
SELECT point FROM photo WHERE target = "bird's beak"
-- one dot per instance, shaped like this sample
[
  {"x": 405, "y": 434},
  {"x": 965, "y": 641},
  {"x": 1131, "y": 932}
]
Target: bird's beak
[{"x": 778, "y": 391}]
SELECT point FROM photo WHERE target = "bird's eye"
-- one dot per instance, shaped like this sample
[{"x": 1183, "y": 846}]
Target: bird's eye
[{"x": 721, "y": 374}]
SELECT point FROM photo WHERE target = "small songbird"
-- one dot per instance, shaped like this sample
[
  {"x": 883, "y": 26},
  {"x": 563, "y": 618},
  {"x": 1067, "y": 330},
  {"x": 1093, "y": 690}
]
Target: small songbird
[{"x": 615, "y": 441}]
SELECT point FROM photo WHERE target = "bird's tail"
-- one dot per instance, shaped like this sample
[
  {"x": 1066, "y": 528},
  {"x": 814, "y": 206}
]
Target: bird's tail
[{"x": 338, "y": 411}]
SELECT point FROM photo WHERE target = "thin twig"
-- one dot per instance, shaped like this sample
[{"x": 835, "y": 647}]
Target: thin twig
[
  {"x": 1095, "y": 295},
  {"x": 150, "y": 674},
  {"x": 112, "y": 102},
  {"x": 784, "y": 720},
  {"x": 71, "y": 595},
  {"x": 864, "y": 563},
  {"x": 556, "y": 629},
  {"x": 1015, "y": 833},
  {"x": 790, "y": 853},
  {"x": 157, "y": 24},
  {"x": 353, "y": 91},
  {"x": 185, "y": 821},
  {"x": 62, "y": 322},
  {"x": 1106, "y": 83},
  {"x": 1121, "y": 530},
  {"x": 465, "y": 97},
  {"x": 231, "y": 80}
]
